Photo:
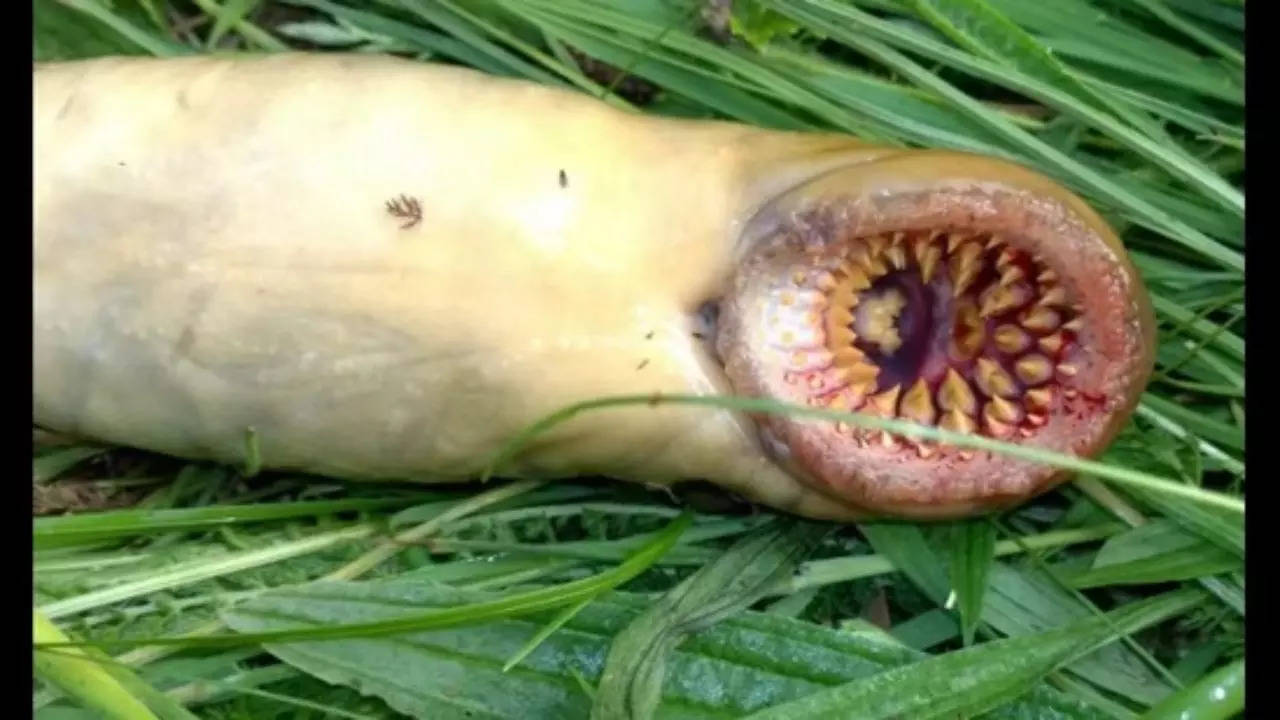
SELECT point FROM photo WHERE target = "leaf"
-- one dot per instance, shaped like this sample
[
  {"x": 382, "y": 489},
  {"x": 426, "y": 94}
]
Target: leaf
[
  {"x": 972, "y": 552},
  {"x": 1018, "y": 602},
  {"x": 50, "y": 465},
  {"x": 1158, "y": 551},
  {"x": 977, "y": 679},
  {"x": 738, "y": 666},
  {"x": 631, "y": 687},
  {"x": 1217, "y": 696}
]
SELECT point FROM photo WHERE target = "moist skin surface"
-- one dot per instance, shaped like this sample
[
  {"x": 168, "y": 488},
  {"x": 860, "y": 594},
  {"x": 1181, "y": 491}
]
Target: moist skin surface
[{"x": 387, "y": 269}]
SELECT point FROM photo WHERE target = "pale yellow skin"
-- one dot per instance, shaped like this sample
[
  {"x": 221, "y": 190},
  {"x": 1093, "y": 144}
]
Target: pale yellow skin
[{"x": 213, "y": 252}]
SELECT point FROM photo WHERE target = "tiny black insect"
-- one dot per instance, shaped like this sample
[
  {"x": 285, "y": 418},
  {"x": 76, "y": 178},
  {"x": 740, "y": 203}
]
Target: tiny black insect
[
  {"x": 564, "y": 179},
  {"x": 405, "y": 208}
]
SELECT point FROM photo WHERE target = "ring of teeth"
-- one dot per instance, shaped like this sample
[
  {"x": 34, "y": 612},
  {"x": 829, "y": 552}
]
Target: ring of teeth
[{"x": 958, "y": 330}]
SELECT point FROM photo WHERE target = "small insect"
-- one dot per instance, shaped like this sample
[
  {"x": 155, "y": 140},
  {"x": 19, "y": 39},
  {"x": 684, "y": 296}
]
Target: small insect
[
  {"x": 405, "y": 208},
  {"x": 564, "y": 179}
]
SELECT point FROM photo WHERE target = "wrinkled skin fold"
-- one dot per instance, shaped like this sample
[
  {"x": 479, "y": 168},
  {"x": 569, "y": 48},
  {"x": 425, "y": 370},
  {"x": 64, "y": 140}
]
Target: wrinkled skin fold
[{"x": 387, "y": 269}]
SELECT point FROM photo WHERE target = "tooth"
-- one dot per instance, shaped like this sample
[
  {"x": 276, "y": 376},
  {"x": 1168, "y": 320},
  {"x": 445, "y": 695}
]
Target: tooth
[
  {"x": 849, "y": 355},
  {"x": 964, "y": 267},
  {"x": 887, "y": 441},
  {"x": 897, "y": 256},
  {"x": 996, "y": 428},
  {"x": 925, "y": 450},
  {"x": 857, "y": 277},
  {"x": 869, "y": 261},
  {"x": 1051, "y": 344},
  {"x": 877, "y": 244},
  {"x": 1076, "y": 325},
  {"x": 1067, "y": 370},
  {"x": 927, "y": 255},
  {"x": 1036, "y": 419},
  {"x": 1005, "y": 258},
  {"x": 1011, "y": 274},
  {"x": 1041, "y": 319},
  {"x": 840, "y": 316},
  {"x": 1002, "y": 298},
  {"x": 1039, "y": 398},
  {"x": 843, "y": 428},
  {"x": 1002, "y": 410},
  {"x": 885, "y": 404},
  {"x": 917, "y": 405},
  {"x": 1047, "y": 277},
  {"x": 1070, "y": 393},
  {"x": 994, "y": 242},
  {"x": 969, "y": 331},
  {"x": 993, "y": 381},
  {"x": 1033, "y": 369},
  {"x": 1053, "y": 296},
  {"x": 954, "y": 240},
  {"x": 857, "y": 393},
  {"x": 860, "y": 372},
  {"x": 1010, "y": 339},
  {"x": 837, "y": 402},
  {"x": 955, "y": 394},
  {"x": 956, "y": 421}
]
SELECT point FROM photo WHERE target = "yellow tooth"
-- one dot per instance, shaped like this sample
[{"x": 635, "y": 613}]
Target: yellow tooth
[
  {"x": 954, "y": 240},
  {"x": 928, "y": 255},
  {"x": 994, "y": 242},
  {"x": 877, "y": 244},
  {"x": 1068, "y": 370},
  {"x": 860, "y": 372},
  {"x": 1005, "y": 258},
  {"x": 868, "y": 261},
  {"x": 826, "y": 282},
  {"x": 887, "y": 442},
  {"x": 1037, "y": 419},
  {"x": 917, "y": 405},
  {"x": 1002, "y": 298},
  {"x": 1033, "y": 369},
  {"x": 897, "y": 256},
  {"x": 837, "y": 402},
  {"x": 1039, "y": 398},
  {"x": 997, "y": 429},
  {"x": 1041, "y": 319},
  {"x": 1051, "y": 343},
  {"x": 970, "y": 331},
  {"x": 849, "y": 355},
  {"x": 884, "y": 404},
  {"x": 1011, "y": 274},
  {"x": 1053, "y": 296},
  {"x": 993, "y": 381},
  {"x": 1011, "y": 339},
  {"x": 1076, "y": 325},
  {"x": 858, "y": 392},
  {"x": 857, "y": 277},
  {"x": 955, "y": 394},
  {"x": 1047, "y": 277},
  {"x": 964, "y": 267},
  {"x": 1003, "y": 410},
  {"x": 956, "y": 421}
]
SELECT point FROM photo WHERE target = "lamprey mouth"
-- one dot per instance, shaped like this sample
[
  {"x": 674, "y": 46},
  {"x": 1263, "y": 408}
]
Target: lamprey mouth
[{"x": 984, "y": 310}]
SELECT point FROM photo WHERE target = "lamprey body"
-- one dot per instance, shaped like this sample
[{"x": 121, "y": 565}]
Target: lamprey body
[{"x": 388, "y": 269}]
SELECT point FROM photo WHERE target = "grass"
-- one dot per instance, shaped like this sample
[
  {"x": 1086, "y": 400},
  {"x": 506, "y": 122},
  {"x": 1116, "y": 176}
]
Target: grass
[{"x": 1120, "y": 595}]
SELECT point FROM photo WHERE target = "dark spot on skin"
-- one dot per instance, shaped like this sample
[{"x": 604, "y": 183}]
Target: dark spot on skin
[
  {"x": 66, "y": 107},
  {"x": 183, "y": 102},
  {"x": 649, "y": 335},
  {"x": 699, "y": 335},
  {"x": 185, "y": 341},
  {"x": 406, "y": 208},
  {"x": 642, "y": 364},
  {"x": 121, "y": 163},
  {"x": 564, "y": 179}
]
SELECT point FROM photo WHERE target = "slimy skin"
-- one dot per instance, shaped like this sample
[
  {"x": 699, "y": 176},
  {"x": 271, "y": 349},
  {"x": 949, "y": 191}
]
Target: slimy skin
[{"x": 387, "y": 269}]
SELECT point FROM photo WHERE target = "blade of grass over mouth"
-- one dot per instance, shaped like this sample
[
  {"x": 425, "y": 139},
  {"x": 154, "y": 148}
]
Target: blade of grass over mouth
[{"x": 1120, "y": 475}]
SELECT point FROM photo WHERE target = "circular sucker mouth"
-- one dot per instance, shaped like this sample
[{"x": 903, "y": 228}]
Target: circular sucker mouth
[{"x": 986, "y": 311}]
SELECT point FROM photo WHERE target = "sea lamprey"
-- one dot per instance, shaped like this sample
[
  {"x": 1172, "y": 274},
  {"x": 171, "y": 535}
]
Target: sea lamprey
[{"x": 388, "y": 269}]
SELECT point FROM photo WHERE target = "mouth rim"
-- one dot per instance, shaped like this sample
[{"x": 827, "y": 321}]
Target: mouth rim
[{"x": 994, "y": 196}]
